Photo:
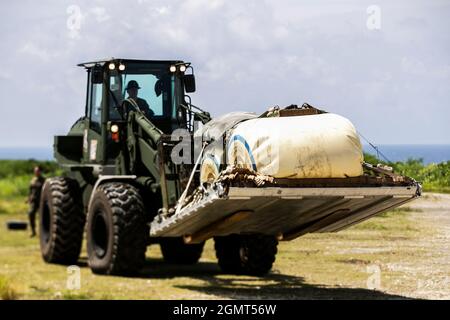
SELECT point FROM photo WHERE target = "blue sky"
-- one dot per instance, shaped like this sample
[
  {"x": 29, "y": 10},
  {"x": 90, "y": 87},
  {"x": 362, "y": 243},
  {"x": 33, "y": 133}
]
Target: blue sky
[{"x": 393, "y": 83}]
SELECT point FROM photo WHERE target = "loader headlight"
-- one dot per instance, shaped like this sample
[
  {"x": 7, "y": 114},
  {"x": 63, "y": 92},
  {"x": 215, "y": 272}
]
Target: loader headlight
[
  {"x": 173, "y": 68},
  {"x": 114, "y": 128},
  {"x": 121, "y": 67},
  {"x": 182, "y": 68},
  {"x": 111, "y": 66}
]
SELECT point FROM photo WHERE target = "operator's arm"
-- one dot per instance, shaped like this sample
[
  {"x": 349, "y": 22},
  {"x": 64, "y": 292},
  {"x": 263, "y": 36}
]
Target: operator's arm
[
  {"x": 124, "y": 109},
  {"x": 146, "y": 108}
]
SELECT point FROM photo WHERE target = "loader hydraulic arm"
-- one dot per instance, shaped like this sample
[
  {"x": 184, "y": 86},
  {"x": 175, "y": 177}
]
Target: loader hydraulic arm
[
  {"x": 142, "y": 143},
  {"x": 149, "y": 128},
  {"x": 145, "y": 148}
]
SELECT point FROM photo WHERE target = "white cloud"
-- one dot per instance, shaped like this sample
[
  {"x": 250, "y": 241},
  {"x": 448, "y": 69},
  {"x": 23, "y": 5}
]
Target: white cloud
[
  {"x": 246, "y": 54},
  {"x": 100, "y": 14},
  {"x": 5, "y": 75},
  {"x": 34, "y": 50},
  {"x": 413, "y": 66},
  {"x": 162, "y": 10}
]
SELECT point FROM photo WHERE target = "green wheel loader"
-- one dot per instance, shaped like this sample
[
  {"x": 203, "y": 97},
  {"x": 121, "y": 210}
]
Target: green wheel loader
[{"x": 145, "y": 166}]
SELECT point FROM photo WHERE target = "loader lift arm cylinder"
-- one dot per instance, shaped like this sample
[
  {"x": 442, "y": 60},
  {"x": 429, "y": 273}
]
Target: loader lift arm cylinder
[
  {"x": 149, "y": 128},
  {"x": 154, "y": 134}
]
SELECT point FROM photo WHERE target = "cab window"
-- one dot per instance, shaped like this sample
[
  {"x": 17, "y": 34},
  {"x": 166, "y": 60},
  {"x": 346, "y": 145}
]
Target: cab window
[
  {"x": 156, "y": 88},
  {"x": 95, "y": 113},
  {"x": 148, "y": 91}
]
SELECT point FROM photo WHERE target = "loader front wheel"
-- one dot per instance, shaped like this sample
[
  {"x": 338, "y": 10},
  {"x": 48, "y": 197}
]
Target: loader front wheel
[
  {"x": 116, "y": 230},
  {"x": 61, "y": 221},
  {"x": 175, "y": 251},
  {"x": 246, "y": 254}
]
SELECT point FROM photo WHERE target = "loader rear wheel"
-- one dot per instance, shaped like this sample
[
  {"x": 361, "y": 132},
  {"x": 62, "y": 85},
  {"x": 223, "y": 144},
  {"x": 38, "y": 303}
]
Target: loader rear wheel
[
  {"x": 246, "y": 254},
  {"x": 61, "y": 221},
  {"x": 175, "y": 251},
  {"x": 116, "y": 230}
]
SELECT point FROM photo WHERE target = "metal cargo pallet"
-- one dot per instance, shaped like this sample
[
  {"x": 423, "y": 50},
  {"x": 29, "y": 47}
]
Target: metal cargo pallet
[{"x": 285, "y": 212}]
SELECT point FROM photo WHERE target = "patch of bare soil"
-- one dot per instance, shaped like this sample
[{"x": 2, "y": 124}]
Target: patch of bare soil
[{"x": 433, "y": 277}]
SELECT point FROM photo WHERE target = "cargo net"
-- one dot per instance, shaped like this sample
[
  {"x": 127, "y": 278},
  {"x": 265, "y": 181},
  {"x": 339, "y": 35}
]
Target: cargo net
[
  {"x": 231, "y": 175},
  {"x": 387, "y": 174},
  {"x": 292, "y": 111}
]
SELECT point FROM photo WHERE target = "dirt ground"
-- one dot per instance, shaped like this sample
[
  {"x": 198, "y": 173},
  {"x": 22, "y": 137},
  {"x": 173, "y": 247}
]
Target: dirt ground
[
  {"x": 433, "y": 275},
  {"x": 399, "y": 255}
]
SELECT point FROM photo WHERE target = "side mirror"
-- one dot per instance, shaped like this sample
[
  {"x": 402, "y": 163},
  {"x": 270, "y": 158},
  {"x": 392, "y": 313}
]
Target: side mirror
[
  {"x": 189, "y": 82},
  {"x": 158, "y": 87},
  {"x": 97, "y": 75}
]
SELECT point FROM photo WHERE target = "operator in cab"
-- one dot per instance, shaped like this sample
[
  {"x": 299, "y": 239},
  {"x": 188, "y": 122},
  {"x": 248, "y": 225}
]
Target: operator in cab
[{"x": 133, "y": 102}]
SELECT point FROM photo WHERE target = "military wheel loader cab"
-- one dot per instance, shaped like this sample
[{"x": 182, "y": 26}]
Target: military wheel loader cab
[
  {"x": 111, "y": 165},
  {"x": 122, "y": 185}
]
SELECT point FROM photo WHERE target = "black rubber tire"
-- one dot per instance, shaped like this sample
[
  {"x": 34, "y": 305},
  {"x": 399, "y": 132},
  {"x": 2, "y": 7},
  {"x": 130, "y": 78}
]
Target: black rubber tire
[
  {"x": 16, "y": 225},
  {"x": 61, "y": 221},
  {"x": 175, "y": 251},
  {"x": 246, "y": 254},
  {"x": 116, "y": 230}
]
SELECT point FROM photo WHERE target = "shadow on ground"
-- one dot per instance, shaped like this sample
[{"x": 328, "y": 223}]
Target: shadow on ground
[{"x": 271, "y": 286}]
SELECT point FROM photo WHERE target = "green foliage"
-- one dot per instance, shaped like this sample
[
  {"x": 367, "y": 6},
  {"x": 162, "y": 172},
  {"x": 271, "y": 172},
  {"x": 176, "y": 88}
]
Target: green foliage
[
  {"x": 434, "y": 177},
  {"x": 15, "y": 176},
  {"x": 9, "y": 168},
  {"x": 14, "y": 186},
  {"x": 370, "y": 158}
]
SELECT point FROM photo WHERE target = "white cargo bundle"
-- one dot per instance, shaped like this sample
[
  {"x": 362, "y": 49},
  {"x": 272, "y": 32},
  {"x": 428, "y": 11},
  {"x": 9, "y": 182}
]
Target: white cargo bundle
[{"x": 309, "y": 146}]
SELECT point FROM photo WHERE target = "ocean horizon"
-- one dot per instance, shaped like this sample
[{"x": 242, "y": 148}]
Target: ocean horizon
[{"x": 429, "y": 153}]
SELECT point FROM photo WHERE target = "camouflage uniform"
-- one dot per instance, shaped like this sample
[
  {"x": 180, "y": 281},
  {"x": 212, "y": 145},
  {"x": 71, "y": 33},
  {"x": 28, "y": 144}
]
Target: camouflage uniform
[{"x": 34, "y": 199}]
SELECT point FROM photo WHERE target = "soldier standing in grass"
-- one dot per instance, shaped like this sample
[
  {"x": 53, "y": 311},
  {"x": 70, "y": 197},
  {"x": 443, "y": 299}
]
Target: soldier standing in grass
[{"x": 34, "y": 197}]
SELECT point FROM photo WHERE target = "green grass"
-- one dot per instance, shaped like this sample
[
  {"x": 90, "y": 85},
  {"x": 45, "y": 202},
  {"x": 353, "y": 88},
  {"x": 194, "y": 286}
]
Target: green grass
[
  {"x": 7, "y": 290},
  {"x": 69, "y": 295},
  {"x": 396, "y": 220},
  {"x": 315, "y": 266},
  {"x": 13, "y": 205}
]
